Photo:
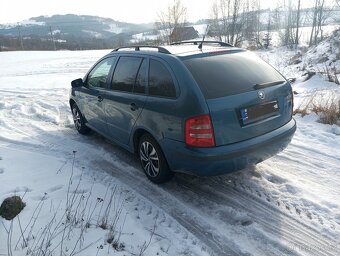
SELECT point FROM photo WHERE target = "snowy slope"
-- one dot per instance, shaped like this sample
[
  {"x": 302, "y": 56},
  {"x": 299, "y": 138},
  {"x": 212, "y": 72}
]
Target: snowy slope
[
  {"x": 312, "y": 69},
  {"x": 287, "y": 205},
  {"x": 316, "y": 58}
]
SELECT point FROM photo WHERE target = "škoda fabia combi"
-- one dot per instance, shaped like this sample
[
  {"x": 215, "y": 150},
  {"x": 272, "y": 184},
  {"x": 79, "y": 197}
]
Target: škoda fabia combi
[{"x": 202, "y": 108}]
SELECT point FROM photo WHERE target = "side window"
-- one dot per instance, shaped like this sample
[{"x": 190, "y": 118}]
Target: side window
[
  {"x": 98, "y": 76},
  {"x": 139, "y": 86},
  {"x": 160, "y": 80},
  {"x": 125, "y": 73}
]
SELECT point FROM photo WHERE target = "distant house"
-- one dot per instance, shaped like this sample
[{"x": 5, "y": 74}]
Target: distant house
[{"x": 183, "y": 33}]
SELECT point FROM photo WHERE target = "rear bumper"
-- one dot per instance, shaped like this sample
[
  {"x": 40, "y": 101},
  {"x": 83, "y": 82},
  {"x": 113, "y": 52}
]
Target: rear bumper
[{"x": 228, "y": 158}]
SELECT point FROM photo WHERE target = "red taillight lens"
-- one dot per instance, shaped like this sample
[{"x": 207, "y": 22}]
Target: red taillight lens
[{"x": 199, "y": 132}]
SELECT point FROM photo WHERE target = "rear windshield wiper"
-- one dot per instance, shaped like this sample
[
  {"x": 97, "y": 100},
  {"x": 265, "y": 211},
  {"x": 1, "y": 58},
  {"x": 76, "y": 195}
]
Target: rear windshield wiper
[{"x": 264, "y": 85}]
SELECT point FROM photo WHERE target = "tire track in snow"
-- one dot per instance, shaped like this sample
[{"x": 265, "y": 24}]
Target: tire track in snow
[
  {"x": 294, "y": 233},
  {"x": 173, "y": 199},
  {"x": 189, "y": 220},
  {"x": 212, "y": 191}
]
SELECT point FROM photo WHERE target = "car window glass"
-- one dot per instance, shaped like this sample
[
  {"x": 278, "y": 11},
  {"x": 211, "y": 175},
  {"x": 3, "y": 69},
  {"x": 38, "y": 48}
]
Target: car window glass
[
  {"x": 139, "y": 86},
  {"x": 160, "y": 80},
  {"x": 125, "y": 73},
  {"x": 228, "y": 74},
  {"x": 98, "y": 75}
]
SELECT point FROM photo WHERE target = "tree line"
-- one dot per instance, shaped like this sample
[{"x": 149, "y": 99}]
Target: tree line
[{"x": 245, "y": 21}]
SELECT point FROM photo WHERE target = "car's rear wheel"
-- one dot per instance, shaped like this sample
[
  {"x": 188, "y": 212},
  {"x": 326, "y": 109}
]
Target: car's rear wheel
[
  {"x": 79, "y": 120},
  {"x": 153, "y": 161}
]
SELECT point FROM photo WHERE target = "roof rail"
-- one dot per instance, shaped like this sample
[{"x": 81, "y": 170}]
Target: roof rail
[
  {"x": 204, "y": 42},
  {"x": 137, "y": 48}
]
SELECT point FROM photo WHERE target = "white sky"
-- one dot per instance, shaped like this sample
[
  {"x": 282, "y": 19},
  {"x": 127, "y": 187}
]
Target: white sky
[{"x": 136, "y": 11}]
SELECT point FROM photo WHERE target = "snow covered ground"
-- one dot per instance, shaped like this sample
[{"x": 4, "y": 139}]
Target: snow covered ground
[{"x": 287, "y": 205}]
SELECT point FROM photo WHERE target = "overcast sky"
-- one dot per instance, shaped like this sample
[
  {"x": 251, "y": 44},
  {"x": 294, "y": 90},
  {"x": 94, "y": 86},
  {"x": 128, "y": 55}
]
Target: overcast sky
[{"x": 136, "y": 11}]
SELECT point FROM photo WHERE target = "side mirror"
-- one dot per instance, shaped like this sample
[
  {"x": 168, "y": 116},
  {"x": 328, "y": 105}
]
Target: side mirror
[
  {"x": 77, "y": 83},
  {"x": 291, "y": 80}
]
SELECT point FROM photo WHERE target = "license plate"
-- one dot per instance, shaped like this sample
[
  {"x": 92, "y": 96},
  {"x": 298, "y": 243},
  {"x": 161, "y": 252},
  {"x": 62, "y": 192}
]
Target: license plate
[{"x": 259, "y": 112}]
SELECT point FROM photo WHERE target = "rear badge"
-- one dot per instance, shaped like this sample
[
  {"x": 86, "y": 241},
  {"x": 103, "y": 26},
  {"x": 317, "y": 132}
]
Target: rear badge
[{"x": 261, "y": 95}]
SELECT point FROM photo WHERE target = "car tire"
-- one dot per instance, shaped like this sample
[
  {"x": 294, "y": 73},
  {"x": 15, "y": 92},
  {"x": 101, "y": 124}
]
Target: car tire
[
  {"x": 79, "y": 120},
  {"x": 153, "y": 161}
]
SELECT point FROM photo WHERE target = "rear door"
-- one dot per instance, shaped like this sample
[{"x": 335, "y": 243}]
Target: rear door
[
  {"x": 246, "y": 96},
  {"x": 126, "y": 98}
]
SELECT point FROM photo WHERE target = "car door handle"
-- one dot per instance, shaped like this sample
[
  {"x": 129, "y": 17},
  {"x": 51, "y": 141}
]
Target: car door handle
[
  {"x": 100, "y": 98},
  {"x": 133, "y": 106}
]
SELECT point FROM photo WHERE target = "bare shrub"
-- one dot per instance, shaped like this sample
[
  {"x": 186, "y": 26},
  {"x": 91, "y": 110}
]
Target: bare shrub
[
  {"x": 303, "y": 108},
  {"x": 327, "y": 107},
  {"x": 332, "y": 75},
  {"x": 328, "y": 113}
]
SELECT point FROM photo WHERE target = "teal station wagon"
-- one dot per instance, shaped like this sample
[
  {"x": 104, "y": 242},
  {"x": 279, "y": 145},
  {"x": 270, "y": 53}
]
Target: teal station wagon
[{"x": 202, "y": 108}]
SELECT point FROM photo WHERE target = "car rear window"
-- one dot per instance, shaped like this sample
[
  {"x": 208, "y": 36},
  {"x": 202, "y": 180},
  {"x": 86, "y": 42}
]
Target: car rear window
[{"x": 227, "y": 74}]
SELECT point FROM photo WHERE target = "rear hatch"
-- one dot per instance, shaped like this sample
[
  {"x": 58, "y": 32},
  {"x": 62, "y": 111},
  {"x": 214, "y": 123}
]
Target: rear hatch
[{"x": 246, "y": 96}]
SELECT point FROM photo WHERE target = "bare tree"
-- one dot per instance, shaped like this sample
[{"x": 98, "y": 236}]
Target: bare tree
[
  {"x": 267, "y": 37},
  {"x": 248, "y": 24},
  {"x": 292, "y": 22},
  {"x": 215, "y": 27},
  {"x": 228, "y": 21},
  {"x": 297, "y": 23},
  {"x": 234, "y": 24},
  {"x": 320, "y": 15},
  {"x": 174, "y": 17},
  {"x": 289, "y": 25},
  {"x": 315, "y": 11},
  {"x": 225, "y": 13},
  {"x": 220, "y": 22},
  {"x": 257, "y": 23}
]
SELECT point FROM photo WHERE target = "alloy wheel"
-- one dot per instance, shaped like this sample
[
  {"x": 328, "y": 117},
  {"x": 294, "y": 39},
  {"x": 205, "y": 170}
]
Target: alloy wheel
[
  {"x": 149, "y": 159},
  {"x": 76, "y": 118}
]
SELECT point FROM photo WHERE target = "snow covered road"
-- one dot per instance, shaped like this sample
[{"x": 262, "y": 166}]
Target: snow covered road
[{"x": 287, "y": 205}]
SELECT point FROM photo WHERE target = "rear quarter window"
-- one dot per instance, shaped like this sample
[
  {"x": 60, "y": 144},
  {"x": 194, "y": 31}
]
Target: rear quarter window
[
  {"x": 227, "y": 74},
  {"x": 160, "y": 80}
]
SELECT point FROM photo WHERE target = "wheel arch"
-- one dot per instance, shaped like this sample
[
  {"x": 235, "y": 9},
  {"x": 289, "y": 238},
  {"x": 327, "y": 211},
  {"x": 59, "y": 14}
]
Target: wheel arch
[
  {"x": 164, "y": 172},
  {"x": 72, "y": 101},
  {"x": 138, "y": 133}
]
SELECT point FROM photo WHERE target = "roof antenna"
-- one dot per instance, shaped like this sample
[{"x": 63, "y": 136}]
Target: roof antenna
[{"x": 206, "y": 32}]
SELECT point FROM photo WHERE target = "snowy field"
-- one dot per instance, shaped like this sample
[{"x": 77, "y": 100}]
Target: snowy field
[{"x": 86, "y": 196}]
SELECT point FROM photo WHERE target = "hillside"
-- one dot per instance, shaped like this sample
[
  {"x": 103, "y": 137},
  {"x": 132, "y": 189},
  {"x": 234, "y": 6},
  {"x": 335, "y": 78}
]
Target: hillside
[{"x": 69, "y": 32}]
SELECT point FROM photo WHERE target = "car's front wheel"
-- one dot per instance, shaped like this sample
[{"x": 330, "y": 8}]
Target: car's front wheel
[
  {"x": 153, "y": 161},
  {"x": 79, "y": 120}
]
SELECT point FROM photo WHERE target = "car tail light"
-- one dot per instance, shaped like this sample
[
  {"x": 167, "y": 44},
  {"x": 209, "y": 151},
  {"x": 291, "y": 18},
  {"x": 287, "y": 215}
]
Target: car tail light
[{"x": 199, "y": 132}]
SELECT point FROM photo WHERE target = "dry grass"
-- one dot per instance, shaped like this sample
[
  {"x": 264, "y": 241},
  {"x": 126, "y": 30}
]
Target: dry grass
[
  {"x": 326, "y": 107},
  {"x": 328, "y": 114},
  {"x": 64, "y": 233},
  {"x": 332, "y": 74}
]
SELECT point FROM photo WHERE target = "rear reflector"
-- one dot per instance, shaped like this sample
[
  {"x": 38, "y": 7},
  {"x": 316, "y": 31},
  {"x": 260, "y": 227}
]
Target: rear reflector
[{"x": 199, "y": 132}]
